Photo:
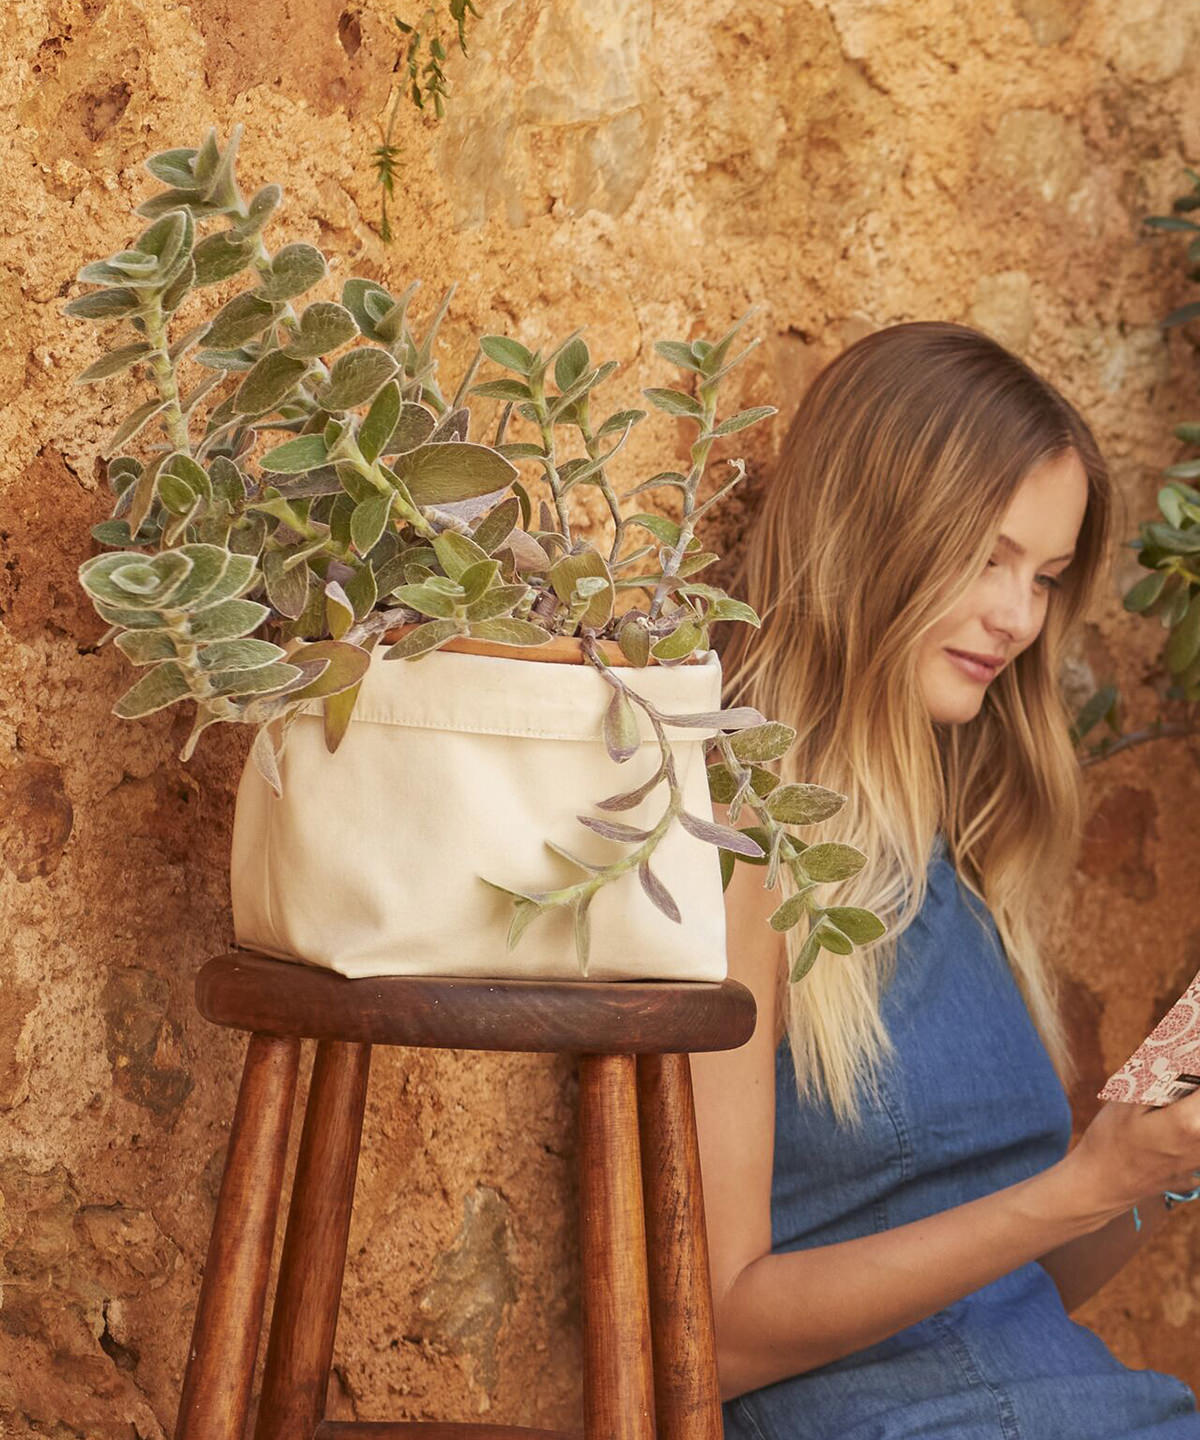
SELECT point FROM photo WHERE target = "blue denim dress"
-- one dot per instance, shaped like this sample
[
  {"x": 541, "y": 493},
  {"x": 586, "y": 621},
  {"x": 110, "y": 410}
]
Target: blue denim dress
[{"x": 969, "y": 1103}]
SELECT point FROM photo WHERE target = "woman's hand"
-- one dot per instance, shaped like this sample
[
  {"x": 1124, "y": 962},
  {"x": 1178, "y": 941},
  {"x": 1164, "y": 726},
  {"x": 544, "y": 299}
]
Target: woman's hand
[{"x": 1130, "y": 1152}]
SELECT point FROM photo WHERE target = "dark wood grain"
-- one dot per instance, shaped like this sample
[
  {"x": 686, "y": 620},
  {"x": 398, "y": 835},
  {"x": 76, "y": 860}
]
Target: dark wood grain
[
  {"x": 429, "y": 1430},
  {"x": 686, "y": 1390},
  {"x": 253, "y": 992},
  {"x": 220, "y": 1367},
  {"x": 300, "y": 1348},
  {"x": 618, "y": 1396}
]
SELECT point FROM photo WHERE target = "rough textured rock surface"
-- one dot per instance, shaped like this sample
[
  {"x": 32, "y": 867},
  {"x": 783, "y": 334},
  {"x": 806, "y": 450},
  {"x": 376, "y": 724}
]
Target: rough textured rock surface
[{"x": 644, "y": 170}]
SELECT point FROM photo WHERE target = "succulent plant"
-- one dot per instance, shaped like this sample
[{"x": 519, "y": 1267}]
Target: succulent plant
[{"x": 252, "y": 582}]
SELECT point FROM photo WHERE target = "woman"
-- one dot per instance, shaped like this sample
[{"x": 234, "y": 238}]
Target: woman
[{"x": 897, "y": 1230}]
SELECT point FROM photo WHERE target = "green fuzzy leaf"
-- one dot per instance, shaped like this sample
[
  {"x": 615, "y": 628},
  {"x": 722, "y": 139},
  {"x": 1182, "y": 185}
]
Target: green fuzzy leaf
[
  {"x": 244, "y": 317},
  {"x": 634, "y": 641},
  {"x": 345, "y": 665},
  {"x": 287, "y": 589},
  {"x": 362, "y": 591},
  {"x": 497, "y": 525},
  {"x": 499, "y": 600},
  {"x": 677, "y": 352},
  {"x": 228, "y": 655},
  {"x": 513, "y": 390},
  {"x": 423, "y": 639},
  {"x": 805, "y": 958},
  {"x": 133, "y": 425},
  {"x": 220, "y": 257},
  {"x": 457, "y": 553},
  {"x": 355, "y": 378},
  {"x": 380, "y": 422},
  {"x": 1184, "y": 643},
  {"x": 621, "y": 420},
  {"x": 763, "y": 742},
  {"x": 803, "y": 804},
  {"x": 239, "y": 575},
  {"x": 509, "y": 353},
  {"x": 111, "y": 304},
  {"x": 325, "y": 326},
  {"x": 294, "y": 269},
  {"x": 173, "y": 167},
  {"x": 679, "y": 643},
  {"x": 414, "y": 427},
  {"x": 145, "y": 647},
  {"x": 675, "y": 402},
  {"x": 354, "y": 297},
  {"x": 476, "y": 579},
  {"x": 157, "y": 689},
  {"x": 368, "y": 522},
  {"x": 659, "y": 526},
  {"x": 134, "y": 581},
  {"x": 860, "y": 925},
  {"x": 262, "y": 681},
  {"x": 567, "y": 572},
  {"x": 829, "y": 937},
  {"x": 114, "y": 363},
  {"x": 268, "y": 384},
  {"x": 622, "y": 738},
  {"x": 440, "y": 474},
  {"x": 572, "y": 362},
  {"x": 510, "y": 632},
  {"x": 425, "y": 600},
  {"x": 294, "y": 457},
  {"x": 743, "y": 419},
  {"x": 229, "y": 620},
  {"x": 1145, "y": 592},
  {"x": 789, "y": 913},
  {"x": 831, "y": 861}
]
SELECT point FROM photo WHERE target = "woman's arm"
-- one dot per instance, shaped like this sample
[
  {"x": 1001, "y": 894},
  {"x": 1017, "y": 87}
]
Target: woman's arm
[
  {"x": 1081, "y": 1267},
  {"x": 781, "y": 1314}
]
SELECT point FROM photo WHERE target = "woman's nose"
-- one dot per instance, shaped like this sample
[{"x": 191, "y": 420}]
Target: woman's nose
[{"x": 1016, "y": 610}]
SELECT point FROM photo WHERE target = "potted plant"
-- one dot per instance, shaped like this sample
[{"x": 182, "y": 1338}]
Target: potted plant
[{"x": 308, "y": 541}]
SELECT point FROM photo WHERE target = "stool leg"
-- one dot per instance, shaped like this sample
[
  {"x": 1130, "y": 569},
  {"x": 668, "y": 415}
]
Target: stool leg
[
  {"x": 300, "y": 1349},
  {"x": 220, "y": 1368},
  {"x": 686, "y": 1390},
  {"x": 618, "y": 1396}
]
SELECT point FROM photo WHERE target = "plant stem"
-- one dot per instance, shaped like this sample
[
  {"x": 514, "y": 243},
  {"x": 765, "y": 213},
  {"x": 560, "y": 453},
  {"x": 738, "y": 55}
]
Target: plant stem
[
  {"x": 708, "y": 399},
  {"x": 164, "y": 372},
  {"x": 1160, "y": 731}
]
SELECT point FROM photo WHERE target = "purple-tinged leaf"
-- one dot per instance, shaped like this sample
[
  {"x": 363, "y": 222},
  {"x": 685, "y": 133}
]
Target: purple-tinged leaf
[
  {"x": 721, "y": 835},
  {"x": 630, "y": 798},
  {"x": 658, "y": 893},
  {"x": 613, "y": 829}
]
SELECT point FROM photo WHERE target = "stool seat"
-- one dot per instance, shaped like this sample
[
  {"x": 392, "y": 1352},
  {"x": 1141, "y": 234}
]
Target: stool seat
[
  {"x": 649, "y": 1348},
  {"x": 248, "y": 991}
]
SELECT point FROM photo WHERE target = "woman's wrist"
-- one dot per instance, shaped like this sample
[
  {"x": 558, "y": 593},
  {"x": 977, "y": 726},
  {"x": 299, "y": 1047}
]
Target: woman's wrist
[{"x": 1082, "y": 1199}]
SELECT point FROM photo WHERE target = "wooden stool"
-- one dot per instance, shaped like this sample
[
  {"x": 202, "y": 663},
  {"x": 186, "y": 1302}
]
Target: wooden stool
[{"x": 648, "y": 1346}]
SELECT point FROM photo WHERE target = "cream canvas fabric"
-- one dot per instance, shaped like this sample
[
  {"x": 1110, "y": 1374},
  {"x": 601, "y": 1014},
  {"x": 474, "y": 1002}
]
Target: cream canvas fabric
[{"x": 459, "y": 765}]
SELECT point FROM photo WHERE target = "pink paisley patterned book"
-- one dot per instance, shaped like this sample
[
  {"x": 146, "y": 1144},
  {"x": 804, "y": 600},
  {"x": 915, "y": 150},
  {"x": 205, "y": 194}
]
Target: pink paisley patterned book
[{"x": 1166, "y": 1065}]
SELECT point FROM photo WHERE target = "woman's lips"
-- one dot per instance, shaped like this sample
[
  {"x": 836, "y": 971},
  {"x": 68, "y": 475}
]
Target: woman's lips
[{"x": 974, "y": 668}]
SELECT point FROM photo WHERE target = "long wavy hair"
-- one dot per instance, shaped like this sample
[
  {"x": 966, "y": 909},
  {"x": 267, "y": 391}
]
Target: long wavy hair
[{"x": 882, "y": 510}]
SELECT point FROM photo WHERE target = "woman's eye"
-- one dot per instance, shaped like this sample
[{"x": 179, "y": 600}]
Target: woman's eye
[{"x": 1048, "y": 582}]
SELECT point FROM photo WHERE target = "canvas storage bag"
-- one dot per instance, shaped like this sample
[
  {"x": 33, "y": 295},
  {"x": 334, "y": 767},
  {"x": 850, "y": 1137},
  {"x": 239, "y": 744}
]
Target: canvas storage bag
[{"x": 455, "y": 766}]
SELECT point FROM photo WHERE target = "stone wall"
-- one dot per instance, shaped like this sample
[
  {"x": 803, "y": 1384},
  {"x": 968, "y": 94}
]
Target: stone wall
[{"x": 646, "y": 170}]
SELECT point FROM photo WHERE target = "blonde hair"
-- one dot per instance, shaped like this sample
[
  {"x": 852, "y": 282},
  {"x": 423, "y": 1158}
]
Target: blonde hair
[{"x": 888, "y": 493}]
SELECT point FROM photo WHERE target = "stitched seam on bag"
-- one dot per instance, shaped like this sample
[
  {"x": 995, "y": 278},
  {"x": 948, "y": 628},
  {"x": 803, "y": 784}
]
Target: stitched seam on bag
[{"x": 519, "y": 733}]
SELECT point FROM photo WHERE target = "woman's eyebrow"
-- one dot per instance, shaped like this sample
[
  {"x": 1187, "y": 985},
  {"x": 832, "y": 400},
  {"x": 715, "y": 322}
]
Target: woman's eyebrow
[{"x": 1016, "y": 549}]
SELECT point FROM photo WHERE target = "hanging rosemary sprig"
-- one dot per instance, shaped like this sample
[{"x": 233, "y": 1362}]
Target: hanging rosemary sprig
[{"x": 424, "y": 83}]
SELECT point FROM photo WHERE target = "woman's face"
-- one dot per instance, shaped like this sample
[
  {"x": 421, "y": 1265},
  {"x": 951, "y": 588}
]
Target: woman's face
[{"x": 1004, "y": 610}]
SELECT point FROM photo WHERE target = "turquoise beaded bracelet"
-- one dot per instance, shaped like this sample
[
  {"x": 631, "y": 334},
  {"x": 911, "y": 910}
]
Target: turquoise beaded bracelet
[{"x": 1171, "y": 1198}]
